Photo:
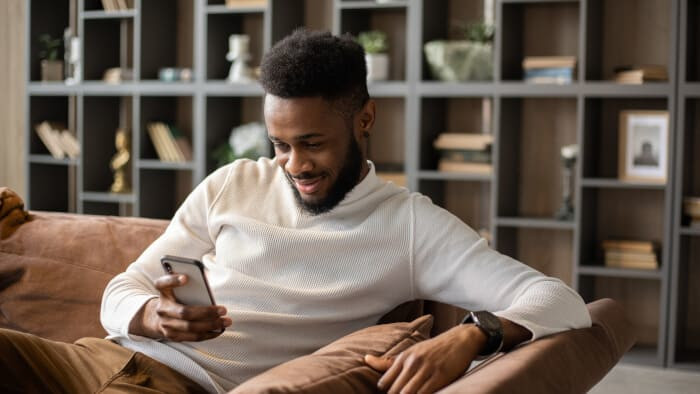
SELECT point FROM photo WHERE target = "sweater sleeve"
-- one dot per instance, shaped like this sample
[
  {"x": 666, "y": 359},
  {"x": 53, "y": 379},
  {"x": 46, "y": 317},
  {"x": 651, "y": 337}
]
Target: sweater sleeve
[
  {"x": 452, "y": 264},
  {"x": 187, "y": 235}
]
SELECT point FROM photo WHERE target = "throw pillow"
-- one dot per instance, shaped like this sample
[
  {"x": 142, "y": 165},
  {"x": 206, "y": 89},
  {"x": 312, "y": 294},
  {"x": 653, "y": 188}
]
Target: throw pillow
[{"x": 339, "y": 367}]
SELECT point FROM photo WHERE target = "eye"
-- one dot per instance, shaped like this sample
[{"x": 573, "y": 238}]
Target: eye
[
  {"x": 312, "y": 145},
  {"x": 281, "y": 146}
]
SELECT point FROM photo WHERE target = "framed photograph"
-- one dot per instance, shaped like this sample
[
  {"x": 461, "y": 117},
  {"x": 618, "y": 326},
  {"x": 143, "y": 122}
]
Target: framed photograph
[{"x": 644, "y": 140}]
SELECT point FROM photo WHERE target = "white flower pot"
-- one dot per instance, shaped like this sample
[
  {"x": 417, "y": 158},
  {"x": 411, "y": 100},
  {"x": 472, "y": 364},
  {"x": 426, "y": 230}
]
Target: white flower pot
[{"x": 377, "y": 66}]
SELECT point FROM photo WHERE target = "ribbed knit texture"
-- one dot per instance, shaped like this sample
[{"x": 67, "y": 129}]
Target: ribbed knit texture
[{"x": 293, "y": 282}]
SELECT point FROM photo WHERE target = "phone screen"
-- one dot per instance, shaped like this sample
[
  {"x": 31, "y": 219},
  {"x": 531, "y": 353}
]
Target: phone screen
[{"x": 196, "y": 291}]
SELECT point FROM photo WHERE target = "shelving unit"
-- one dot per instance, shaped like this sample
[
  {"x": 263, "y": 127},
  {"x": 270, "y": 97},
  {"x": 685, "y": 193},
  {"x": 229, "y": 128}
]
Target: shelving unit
[
  {"x": 684, "y": 324},
  {"x": 516, "y": 203}
]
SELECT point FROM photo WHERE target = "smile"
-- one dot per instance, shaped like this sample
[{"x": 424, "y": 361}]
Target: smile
[{"x": 308, "y": 186}]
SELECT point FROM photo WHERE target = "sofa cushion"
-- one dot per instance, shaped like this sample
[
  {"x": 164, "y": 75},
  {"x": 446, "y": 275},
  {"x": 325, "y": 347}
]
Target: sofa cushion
[
  {"x": 339, "y": 367},
  {"x": 54, "y": 268},
  {"x": 568, "y": 362}
]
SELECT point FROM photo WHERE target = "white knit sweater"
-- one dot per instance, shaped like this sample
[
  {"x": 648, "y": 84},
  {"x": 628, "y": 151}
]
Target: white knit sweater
[{"x": 293, "y": 282}]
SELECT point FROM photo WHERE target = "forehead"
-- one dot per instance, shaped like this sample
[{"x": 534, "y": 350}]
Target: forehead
[{"x": 301, "y": 115}]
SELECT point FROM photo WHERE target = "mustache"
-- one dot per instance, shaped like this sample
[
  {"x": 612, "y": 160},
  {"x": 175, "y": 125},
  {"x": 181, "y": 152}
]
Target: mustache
[{"x": 304, "y": 175}]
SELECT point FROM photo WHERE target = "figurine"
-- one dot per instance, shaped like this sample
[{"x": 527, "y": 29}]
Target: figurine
[
  {"x": 238, "y": 55},
  {"x": 120, "y": 163},
  {"x": 568, "y": 158}
]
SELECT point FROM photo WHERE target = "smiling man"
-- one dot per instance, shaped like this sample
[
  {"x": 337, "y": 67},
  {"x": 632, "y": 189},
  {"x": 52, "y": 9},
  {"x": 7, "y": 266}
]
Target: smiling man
[{"x": 303, "y": 249}]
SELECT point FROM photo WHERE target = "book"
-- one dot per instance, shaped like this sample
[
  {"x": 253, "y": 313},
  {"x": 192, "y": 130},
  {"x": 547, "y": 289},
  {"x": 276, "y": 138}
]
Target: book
[
  {"x": 466, "y": 155},
  {"x": 629, "y": 256},
  {"x": 469, "y": 141},
  {"x": 158, "y": 143},
  {"x": 644, "y": 265},
  {"x": 640, "y": 74},
  {"x": 557, "y": 75},
  {"x": 181, "y": 143},
  {"x": 245, "y": 3},
  {"x": 69, "y": 144},
  {"x": 531, "y": 62},
  {"x": 50, "y": 138},
  {"x": 169, "y": 141},
  {"x": 121, "y": 5},
  {"x": 630, "y": 246},
  {"x": 465, "y": 167}
]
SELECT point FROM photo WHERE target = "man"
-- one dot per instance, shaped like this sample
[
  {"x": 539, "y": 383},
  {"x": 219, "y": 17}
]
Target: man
[{"x": 310, "y": 246}]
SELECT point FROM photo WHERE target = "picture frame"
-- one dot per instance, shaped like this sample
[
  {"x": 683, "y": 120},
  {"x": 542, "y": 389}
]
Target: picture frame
[{"x": 643, "y": 146}]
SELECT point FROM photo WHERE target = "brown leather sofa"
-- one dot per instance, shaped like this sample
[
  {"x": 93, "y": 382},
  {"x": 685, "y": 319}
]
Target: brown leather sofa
[{"x": 54, "y": 268}]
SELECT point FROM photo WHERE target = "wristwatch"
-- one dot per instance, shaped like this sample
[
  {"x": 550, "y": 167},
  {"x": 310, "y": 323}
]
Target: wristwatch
[{"x": 491, "y": 326}]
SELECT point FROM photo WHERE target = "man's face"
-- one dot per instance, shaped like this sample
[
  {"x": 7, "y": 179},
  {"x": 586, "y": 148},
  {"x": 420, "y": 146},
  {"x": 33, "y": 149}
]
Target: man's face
[{"x": 317, "y": 149}]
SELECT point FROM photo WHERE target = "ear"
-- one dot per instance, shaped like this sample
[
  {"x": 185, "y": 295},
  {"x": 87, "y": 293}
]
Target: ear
[{"x": 364, "y": 120}]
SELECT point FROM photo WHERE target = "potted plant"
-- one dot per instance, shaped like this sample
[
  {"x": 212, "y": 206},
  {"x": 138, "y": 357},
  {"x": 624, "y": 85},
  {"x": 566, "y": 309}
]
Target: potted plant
[
  {"x": 51, "y": 67},
  {"x": 470, "y": 59},
  {"x": 376, "y": 45}
]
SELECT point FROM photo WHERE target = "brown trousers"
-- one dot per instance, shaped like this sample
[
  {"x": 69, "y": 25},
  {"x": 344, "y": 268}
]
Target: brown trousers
[{"x": 30, "y": 364}]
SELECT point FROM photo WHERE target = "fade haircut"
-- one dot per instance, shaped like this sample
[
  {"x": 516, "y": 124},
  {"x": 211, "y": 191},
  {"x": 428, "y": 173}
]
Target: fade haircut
[{"x": 313, "y": 63}]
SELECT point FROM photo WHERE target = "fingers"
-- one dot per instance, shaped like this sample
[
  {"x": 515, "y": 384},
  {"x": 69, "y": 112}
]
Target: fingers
[
  {"x": 380, "y": 364},
  {"x": 409, "y": 371},
  {"x": 387, "y": 380},
  {"x": 169, "y": 308}
]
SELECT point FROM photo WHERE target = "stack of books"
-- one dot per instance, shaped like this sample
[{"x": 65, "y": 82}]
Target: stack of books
[
  {"x": 465, "y": 153},
  {"x": 640, "y": 74},
  {"x": 691, "y": 207},
  {"x": 245, "y": 3},
  {"x": 57, "y": 140},
  {"x": 117, "y": 5},
  {"x": 549, "y": 69},
  {"x": 169, "y": 143},
  {"x": 630, "y": 254}
]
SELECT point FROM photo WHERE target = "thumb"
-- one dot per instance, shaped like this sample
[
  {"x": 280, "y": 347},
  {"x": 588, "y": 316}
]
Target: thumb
[{"x": 380, "y": 364}]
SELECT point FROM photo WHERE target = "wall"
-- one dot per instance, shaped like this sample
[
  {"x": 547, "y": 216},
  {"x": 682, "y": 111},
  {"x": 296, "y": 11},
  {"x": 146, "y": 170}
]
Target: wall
[{"x": 12, "y": 94}]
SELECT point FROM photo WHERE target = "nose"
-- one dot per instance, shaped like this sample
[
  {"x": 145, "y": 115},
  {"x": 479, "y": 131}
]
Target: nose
[{"x": 298, "y": 163}]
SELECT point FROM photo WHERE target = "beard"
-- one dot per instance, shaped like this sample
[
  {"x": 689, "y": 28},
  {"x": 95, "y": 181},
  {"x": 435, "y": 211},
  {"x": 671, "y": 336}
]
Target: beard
[{"x": 347, "y": 179}]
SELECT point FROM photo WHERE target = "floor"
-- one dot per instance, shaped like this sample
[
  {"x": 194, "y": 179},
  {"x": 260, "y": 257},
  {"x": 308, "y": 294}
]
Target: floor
[{"x": 625, "y": 378}]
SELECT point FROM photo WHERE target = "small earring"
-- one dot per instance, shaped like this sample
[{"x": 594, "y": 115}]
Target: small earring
[{"x": 365, "y": 134}]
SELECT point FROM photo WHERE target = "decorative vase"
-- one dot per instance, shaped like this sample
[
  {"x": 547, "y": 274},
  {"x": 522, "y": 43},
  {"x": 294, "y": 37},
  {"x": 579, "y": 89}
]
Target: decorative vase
[
  {"x": 377, "y": 66},
  {"x": 459, "y": 60},
  {"x": 51, "y": 70}
]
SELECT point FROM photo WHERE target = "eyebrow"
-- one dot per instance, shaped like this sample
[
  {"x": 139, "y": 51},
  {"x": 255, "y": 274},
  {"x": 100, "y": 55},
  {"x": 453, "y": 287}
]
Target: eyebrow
[{"x": 299, "y": 138}]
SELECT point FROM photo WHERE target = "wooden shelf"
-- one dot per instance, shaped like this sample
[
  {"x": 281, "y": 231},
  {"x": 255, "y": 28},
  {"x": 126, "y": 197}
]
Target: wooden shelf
[
  {"x": 692, "y": 231},
  {"x": 108, "y": 197},
  {"x": 222, "y": 9},
  {"x": 48, "y": 159},
  {"x": 453, "y": 176},
  {"x": 618, "y": 184},
  {"x": 96, "y": 14},
  {"x": 619, "y": 272},
  {"x": 165, "y": 165},
  {"x": 535, "y": 223},
  {"x": 370, "y": 5},
  {"x": 223, "y": 88}
]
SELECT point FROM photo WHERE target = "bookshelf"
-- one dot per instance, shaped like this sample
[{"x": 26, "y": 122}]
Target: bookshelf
[
  {"x": 684, "y": 325},
  {"x": 516, "y": 203}
]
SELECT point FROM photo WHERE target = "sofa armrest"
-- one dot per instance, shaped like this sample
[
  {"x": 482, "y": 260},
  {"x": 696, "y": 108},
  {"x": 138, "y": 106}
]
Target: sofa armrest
[{"x": 567, "y": 362}]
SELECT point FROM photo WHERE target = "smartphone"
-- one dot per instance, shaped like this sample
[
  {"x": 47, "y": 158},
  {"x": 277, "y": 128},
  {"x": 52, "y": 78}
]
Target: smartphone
[{"x": 196, "y": 291}]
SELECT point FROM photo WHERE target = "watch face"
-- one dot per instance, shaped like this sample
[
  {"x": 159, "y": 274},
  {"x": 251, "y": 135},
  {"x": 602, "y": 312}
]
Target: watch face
[{"x": 488, "y": 321}]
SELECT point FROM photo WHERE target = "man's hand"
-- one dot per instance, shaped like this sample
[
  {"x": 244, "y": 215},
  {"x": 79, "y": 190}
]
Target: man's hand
[
  {"x": 432, "y": 364},
  {"x": 165, "y": 318}
]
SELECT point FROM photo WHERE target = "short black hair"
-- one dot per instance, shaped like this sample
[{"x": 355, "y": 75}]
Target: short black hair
[{"x": 311, "y": 63}]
